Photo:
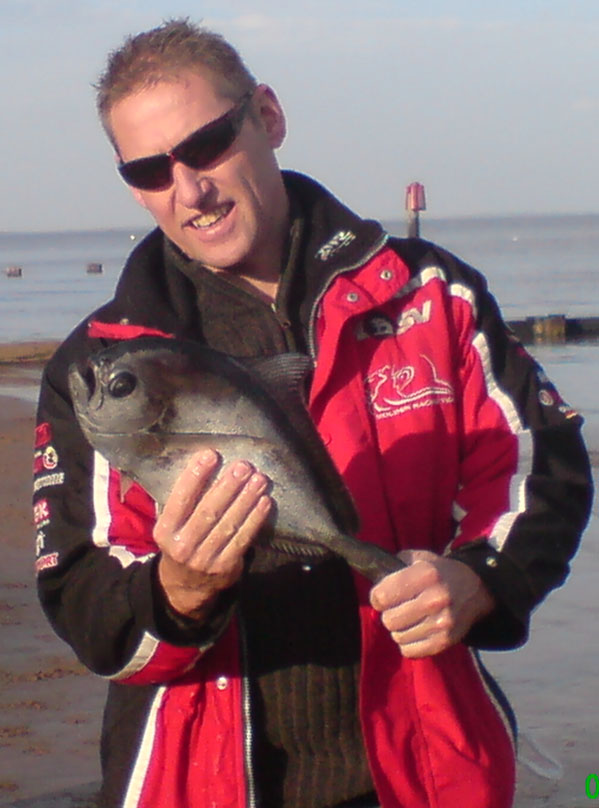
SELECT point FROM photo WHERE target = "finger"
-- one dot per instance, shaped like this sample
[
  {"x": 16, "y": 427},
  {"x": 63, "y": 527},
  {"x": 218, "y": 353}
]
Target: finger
[
  {"x": 228, "y": 549},
  {"x": 236, "y": 526},
  {"x": 430, "y": 627},
  {"x": 203, "y": 580},
  {"x": 203, "y": 527},
  {"x": 210, "y": 508},
  {"x": 429, "y": 606},
  {"x": 404, "y": 586},
  {"x": 190, "y": 484},
  {"x": 429, "y": 646}
]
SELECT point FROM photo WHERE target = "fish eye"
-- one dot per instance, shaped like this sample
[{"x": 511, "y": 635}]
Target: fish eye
[{"x": 122, "y": 384}]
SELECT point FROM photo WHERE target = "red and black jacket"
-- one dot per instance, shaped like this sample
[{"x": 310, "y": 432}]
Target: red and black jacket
[{"x": 449, "y": 437}]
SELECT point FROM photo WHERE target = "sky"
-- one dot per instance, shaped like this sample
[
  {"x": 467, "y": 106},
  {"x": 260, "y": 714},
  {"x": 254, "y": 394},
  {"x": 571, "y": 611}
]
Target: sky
[{"x": 493, "y": 106}]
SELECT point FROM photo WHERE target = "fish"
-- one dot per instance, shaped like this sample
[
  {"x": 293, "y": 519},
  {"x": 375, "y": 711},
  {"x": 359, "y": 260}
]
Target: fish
[{"x": 147, "y": 404}]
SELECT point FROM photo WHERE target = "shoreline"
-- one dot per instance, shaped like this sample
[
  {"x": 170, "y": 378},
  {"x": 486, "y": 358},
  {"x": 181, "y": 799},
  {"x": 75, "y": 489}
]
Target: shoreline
[
  {"x": 21, "y": 368},
  {"x": 32, "y": 352}
]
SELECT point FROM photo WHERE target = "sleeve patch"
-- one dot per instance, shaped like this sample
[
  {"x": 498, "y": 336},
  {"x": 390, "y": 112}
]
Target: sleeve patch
[{"x": 43, "y": 435}]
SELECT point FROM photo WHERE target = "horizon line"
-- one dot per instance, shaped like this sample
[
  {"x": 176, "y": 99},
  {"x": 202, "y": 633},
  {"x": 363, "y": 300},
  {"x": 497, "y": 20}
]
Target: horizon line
[{"x": 135, "y": 230}]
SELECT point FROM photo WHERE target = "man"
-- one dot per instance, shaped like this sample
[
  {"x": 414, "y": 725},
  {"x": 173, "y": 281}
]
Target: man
[{"x": 241, "y": 676}]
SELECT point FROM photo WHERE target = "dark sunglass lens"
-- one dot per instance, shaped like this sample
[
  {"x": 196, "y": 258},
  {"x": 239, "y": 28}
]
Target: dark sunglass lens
[
  {"x": 204, "y": 146},
  {"x": 197, "y": 151},
  {"x": 147, "y": 174}
]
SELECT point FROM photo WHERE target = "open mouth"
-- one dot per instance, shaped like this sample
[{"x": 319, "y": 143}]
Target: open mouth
[{"x": 205, "y": 220}]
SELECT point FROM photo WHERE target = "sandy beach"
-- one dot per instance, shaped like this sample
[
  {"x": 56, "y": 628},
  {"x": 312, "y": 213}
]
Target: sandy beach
[{"x": 50, "y": 707}]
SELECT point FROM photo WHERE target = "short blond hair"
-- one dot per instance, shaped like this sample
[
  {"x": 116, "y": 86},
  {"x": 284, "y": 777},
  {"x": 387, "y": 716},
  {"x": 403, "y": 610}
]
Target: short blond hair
[{"x": 165, "y": 53}]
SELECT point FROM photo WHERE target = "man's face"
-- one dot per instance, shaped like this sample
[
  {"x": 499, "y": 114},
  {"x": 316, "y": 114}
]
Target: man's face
[{"x": 230, "y": 214}]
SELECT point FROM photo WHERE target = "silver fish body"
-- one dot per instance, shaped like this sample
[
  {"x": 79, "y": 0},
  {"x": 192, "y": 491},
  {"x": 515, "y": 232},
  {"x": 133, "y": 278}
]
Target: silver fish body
[{"x": 148, "y": 404}]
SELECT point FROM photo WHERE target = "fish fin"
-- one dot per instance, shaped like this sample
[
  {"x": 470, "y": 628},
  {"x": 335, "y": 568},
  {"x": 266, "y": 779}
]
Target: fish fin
[
  {"x": 284, "y": 377},
  {"x": 300, "y": 549},
  {"x": 291, "y": 545}
]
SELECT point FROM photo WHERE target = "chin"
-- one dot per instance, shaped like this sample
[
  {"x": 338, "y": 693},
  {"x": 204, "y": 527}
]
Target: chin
[
  {"x": 217, "y": 260},
  {"x": 225, "y": 257}
]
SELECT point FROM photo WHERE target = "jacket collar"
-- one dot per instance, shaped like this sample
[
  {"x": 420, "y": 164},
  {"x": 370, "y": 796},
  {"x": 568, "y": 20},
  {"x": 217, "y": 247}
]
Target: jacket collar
[
  {"x": 152, "y": 290},
  {"x": 335, "y": 237}
]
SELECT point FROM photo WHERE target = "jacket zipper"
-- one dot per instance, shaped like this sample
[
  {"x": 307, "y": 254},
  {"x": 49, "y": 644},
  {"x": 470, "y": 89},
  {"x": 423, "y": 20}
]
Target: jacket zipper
[
  {"x": 246, "y": 708},
  {"x": 285, "y": 326},
  {"x": 245, "y": 682},
  {"x": 363, "y": 260}
]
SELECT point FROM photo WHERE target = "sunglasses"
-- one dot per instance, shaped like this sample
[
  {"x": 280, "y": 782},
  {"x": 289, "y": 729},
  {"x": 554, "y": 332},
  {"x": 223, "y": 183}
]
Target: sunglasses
[{"x": 198, "y": 150}]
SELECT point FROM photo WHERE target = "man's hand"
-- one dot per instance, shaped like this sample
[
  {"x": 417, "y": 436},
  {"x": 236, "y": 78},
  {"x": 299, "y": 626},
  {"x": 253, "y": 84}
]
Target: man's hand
[
  {"x": 431, "y": 604},
  {"x": 205, "y": 530}
]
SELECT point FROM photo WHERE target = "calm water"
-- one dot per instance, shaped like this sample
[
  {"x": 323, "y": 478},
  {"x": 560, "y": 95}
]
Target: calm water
[
  {"x": 535, "y": 265},
  {"x": 55, "y": 291}
]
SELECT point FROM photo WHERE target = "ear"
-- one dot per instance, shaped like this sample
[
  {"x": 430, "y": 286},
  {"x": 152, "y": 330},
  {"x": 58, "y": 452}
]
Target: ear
[
  {"x": 137, "y": 194},
  {"x": 270, "y": 112}
]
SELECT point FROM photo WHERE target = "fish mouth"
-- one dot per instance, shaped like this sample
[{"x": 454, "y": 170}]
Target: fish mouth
[
  {"x": 88, "y": 380},
  {"x": 82, "y": 385}
]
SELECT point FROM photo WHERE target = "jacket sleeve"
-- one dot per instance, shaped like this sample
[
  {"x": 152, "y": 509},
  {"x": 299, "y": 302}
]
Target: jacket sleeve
[
  {"x": 96, "y": 558},
  {"x": 526, "y": 487}
]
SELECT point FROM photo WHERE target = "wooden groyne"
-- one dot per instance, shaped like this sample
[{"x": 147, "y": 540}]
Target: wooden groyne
[
  {"x": 93, "y": 268},
  {"x": 555, "y": 329}
]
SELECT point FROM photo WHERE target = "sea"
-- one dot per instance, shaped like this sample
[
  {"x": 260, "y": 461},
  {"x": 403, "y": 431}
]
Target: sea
[{"x": 535, "y": 265}]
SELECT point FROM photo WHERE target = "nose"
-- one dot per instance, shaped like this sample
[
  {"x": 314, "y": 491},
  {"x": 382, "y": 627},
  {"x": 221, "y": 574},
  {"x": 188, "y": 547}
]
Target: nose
[{"x": 191, "y": 186}]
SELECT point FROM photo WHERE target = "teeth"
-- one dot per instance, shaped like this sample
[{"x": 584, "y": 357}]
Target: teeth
[{"x": 207, "y": 219}]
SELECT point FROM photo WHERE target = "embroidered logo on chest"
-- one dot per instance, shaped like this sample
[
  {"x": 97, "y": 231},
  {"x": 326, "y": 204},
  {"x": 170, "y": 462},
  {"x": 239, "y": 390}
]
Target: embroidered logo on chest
[
  {"x": 340, "y": 240},
  {"x": 380, "y": 325},
  {"x": 393, "y": 390}
]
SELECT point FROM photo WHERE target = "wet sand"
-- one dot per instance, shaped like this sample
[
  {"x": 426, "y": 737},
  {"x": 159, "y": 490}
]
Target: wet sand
[
  {"x": 50, "y": 706},
  {"x": 14, "y": 354}
]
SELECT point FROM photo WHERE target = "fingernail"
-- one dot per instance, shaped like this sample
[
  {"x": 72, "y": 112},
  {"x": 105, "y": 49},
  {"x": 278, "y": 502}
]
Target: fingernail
[
  {"x": 241, "y": 470},
  {"x": 205, "y": 458},
  {"x": 264, "y": 503},
  {"x": 257, "y": 482}
]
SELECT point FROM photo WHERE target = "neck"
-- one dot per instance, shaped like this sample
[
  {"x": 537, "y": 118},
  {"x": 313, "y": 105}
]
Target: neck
[{"x": 265, "y": 289}]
